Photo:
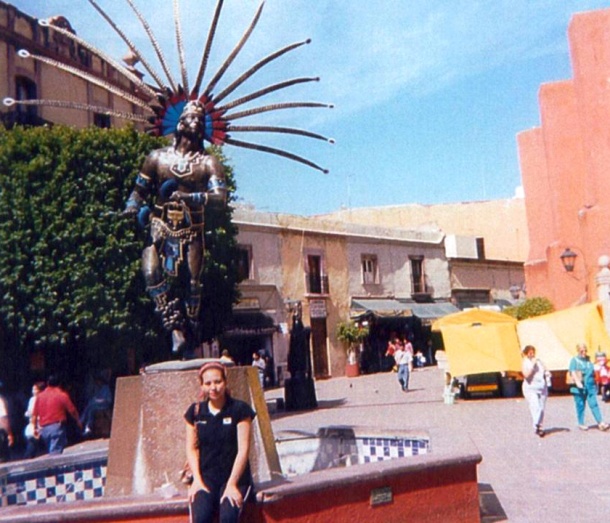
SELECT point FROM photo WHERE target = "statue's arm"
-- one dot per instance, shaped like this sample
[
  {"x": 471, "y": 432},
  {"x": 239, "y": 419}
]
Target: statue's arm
[
  {"x": 217, "y": 186},
  {"x": 143, "y": 186}
]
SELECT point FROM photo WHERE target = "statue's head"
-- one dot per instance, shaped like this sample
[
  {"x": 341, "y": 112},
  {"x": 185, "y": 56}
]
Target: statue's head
[
  {"x": 192, "y": 121},
  {"x": 194, "y": 107}
]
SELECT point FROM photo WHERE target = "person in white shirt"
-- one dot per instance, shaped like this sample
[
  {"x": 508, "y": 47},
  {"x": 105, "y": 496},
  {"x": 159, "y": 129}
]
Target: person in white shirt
[
  {"x": 260, "y": 365},
  {"x": 404, "y": 361},
  {"x": 535, "y": 388}
]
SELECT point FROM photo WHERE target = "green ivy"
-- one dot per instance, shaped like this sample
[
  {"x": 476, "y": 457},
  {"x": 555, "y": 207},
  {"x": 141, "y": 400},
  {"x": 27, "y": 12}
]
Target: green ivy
[{"x": 70, "y": 273}]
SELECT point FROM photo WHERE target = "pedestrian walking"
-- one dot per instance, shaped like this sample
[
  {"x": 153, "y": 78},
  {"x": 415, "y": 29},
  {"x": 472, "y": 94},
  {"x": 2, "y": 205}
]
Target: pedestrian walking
[
  {"x": 51, "y": 411},
  {"x": 584, "y": 388},
  {"x": 535, "y": 389},
  {"x": 32, "y": 442},
  {"x": 260, "y": 365},
  {"x": 404, "y": 362},
  {"x": 602, "y": 375}
]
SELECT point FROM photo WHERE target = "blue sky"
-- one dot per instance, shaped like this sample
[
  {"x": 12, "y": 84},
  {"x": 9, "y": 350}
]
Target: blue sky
[{"x": 429, "y": 95}]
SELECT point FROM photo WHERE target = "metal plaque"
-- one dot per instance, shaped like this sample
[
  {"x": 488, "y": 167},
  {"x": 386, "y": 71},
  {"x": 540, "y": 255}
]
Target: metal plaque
[{"x": 381, "y": 496}]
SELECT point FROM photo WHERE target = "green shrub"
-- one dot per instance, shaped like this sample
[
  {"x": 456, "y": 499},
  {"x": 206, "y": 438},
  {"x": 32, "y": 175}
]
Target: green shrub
[{"x": 530, "y": 308}]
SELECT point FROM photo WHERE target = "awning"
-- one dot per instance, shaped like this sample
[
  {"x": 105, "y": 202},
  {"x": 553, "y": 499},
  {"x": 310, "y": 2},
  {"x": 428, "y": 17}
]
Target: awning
[
  {"x": 250, "y": 323},
  {"x": 555, "y": 335},
  {"x": 382, "y": 307},
  {"x": 479, "y": 341},
  {"x": 400, "y": 308},
  {"x": 432, "y": 311}
]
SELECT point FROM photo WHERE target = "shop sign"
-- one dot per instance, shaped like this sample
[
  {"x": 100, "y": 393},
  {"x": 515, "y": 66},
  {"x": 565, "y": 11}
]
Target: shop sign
[{"x": 317, "y": 309}]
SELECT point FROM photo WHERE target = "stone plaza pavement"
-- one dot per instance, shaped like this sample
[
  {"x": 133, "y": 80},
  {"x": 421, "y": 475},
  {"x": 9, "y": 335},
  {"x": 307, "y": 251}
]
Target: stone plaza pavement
[{"x": 564, "y": 476}]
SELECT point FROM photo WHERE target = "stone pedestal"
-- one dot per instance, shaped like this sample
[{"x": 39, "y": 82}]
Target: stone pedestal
[
  {"x": 300, "y": 394},
  {"x": 147, "y": 444}
]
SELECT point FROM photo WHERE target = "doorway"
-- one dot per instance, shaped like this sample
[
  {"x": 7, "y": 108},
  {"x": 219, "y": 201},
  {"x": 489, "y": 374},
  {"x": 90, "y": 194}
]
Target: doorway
[{"x": 319, "y": 347}]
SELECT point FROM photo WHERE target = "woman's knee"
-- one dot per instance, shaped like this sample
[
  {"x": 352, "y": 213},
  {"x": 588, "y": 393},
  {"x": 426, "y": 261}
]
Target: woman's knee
[
  {"x": 203, "y": 507},
  {"x": 228, "y": 513}
]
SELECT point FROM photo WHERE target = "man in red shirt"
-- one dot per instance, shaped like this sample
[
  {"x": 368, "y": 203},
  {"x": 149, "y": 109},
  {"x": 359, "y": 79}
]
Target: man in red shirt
[{"x": 51, "y": 411}]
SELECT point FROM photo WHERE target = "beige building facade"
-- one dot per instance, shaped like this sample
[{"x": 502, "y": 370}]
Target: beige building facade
[
  {"x": 502, "y": 224},
  {"x": 486, "y": 243},
  {"x": 24, "y": 78},
  {"x": 327, "y": 266}
]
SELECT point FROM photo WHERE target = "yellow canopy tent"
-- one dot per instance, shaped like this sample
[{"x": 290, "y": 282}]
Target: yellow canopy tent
[
  {"x": 479, "y": 341},
  {"x": 555, "y": 335}
]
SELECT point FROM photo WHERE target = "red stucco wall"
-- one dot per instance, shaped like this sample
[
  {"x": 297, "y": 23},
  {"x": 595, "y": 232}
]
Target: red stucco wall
[
  {"x": 449, "y": 494},
  {"x": 564, "y": 167}
]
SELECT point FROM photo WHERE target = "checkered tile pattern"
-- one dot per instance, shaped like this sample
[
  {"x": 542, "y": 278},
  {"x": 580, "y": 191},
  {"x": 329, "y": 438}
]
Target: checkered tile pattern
[
  {"x": 381, "y": 449},
  {"x": 56, "y": 485},
  {"x": 337, "y": 452}
]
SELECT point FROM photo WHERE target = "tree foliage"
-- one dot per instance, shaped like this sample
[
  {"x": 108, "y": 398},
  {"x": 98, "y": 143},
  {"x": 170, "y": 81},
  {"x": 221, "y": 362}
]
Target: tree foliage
[
  {"x": 351, "y": 332},
  {"x": 70, "y": 272},
  {"x": 530, "y": 308}
]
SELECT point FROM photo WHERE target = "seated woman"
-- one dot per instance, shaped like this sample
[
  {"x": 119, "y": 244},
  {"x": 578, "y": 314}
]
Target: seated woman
[{"x": 217, "y": 446}]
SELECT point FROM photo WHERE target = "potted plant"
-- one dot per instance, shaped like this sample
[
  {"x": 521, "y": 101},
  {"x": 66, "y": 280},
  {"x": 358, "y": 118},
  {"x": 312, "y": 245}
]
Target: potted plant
[{"x": 352, "y": 334}]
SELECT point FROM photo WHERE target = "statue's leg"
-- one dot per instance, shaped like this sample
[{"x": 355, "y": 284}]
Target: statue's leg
[
  {"x": 158, "y": 289},
  {"x": 193, "y": 298}
]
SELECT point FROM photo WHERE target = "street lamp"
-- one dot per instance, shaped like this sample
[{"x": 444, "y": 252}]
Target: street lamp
[{"x": 568, "y": 259}]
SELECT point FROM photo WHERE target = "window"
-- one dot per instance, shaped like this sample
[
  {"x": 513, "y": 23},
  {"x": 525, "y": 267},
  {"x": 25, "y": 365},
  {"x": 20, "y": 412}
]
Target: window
[
  {"x": 25, "y": 89},
  {"x": 84, "y": 56},
  {"x": 244, "y": 262},
  {"x": 481, "y": 248},
  {"x": 317, "y": 281},
  {"x": 418, "y": 283},
  {"x": 101, "y": 120},
  {"x": 369, "y": 269}
]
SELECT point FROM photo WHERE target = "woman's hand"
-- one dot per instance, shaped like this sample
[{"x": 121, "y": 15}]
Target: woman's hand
[
  {"x": 195, "y": 487},
  {"x": 234, "y": 496}
]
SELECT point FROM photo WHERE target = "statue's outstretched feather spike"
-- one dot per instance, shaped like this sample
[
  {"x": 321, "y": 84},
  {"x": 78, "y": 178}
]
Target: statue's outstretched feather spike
[
  {"x": 266, "y": 90},
  {"x": 156, "y": 77},
  {"x": 228, "y": 90},
  {"x": 273, "y": 150},
  {"x": 87, "y": 77},
  {"x": 155, "y": 44},
  {"x": 208, "y": 46},
  {"x": 62, "y": 104},
  {"x": 275, "y": 129},
  {"x": 180, "y": 45},
  {"x": 235, "y": 51},
  {"x": 273, "y": 107},
  {"x": 101, "y": 54}
]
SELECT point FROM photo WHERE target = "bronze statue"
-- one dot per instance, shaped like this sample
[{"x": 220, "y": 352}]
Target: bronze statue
[{"x": 182, "y": 179}]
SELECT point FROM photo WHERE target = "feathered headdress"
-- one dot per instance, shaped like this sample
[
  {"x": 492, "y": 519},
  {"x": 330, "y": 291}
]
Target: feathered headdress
[{"x": 162, "y": 103}]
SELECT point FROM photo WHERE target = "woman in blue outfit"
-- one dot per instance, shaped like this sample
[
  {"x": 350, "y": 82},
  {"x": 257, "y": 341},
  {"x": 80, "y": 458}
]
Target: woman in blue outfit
[
  {"x": 584, "y": 389},
  {"x": 217, "y": 446}
]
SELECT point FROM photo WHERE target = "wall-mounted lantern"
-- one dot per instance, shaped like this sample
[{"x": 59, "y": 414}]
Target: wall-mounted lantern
[{"x": 568, "y": 259}]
